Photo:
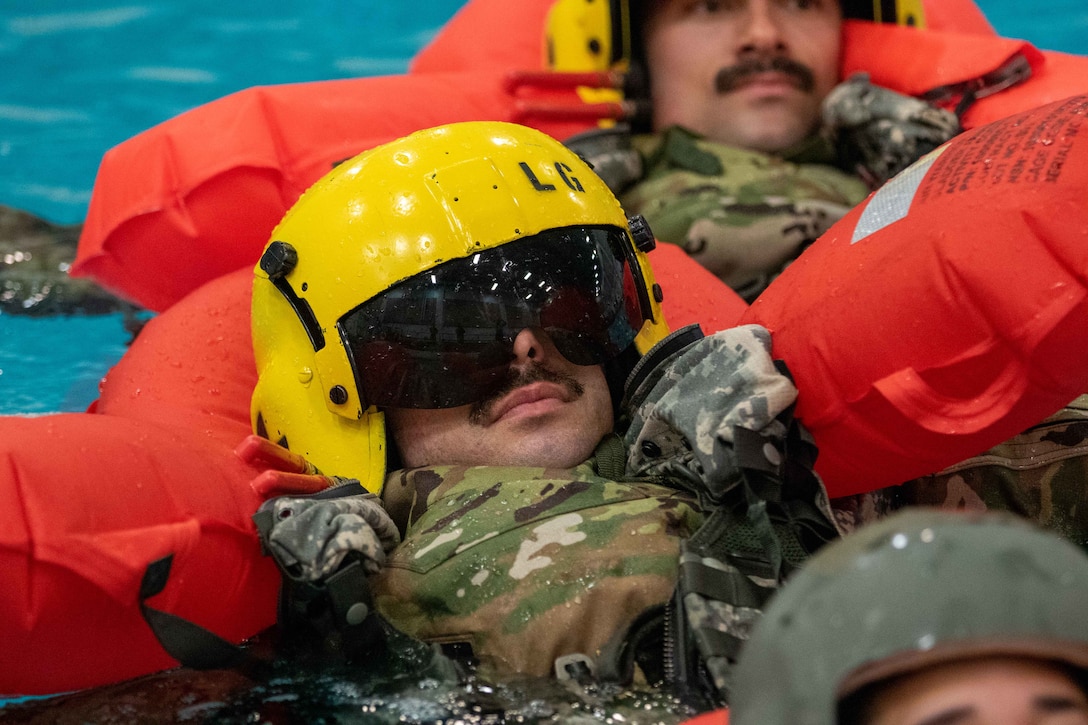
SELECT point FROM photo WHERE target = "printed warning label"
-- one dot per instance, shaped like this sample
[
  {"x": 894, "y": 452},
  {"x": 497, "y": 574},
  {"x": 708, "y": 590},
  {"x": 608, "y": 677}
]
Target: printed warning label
[{"x": 1022, "y": 150}]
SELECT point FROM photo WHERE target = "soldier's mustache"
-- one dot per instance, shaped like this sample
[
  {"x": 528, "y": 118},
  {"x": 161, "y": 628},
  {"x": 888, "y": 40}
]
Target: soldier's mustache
[
  {"x": 514, "y": 379},
  {"x": 731, "y": 77}
]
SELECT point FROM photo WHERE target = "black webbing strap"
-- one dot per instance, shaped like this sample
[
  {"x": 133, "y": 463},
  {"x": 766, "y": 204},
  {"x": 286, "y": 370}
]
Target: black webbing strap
[{"x": 189, "y": 643}]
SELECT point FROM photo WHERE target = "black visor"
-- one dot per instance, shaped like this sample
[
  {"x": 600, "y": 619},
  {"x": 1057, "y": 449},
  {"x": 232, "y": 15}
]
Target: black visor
[{"x": 445, "y": 337}]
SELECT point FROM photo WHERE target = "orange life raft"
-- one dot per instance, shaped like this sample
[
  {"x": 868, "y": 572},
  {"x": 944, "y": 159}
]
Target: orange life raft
[
  {"x": 165, "y": 214},
  {"x": 93, "y": 499},
  {"x": 947, "y": 312}
]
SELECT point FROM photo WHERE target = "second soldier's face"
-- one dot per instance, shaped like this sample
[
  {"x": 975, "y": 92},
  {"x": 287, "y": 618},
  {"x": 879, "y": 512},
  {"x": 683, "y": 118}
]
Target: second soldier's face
[
  {"x": 747, "y": 73},
  {"x": 552, "y": 415},
  {"x": 985, "y": 691}
]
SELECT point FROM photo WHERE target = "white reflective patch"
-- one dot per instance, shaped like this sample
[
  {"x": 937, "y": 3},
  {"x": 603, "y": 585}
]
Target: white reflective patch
[
  {"x": 892, "y": 201},
  {"x": 554, "y": 531}
]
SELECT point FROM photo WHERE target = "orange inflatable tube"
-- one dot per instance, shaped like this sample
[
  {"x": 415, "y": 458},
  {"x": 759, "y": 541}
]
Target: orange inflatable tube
[
  {"x": 948, "y": 311},
  {"x": 164, "y": 216},
  {"x": 91, "y": 499},
  {"x": 220, "y": 176}
]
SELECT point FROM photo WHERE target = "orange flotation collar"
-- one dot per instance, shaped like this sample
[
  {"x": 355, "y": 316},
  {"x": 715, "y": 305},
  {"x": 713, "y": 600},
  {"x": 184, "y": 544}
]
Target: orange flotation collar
[
  {"x": 151, "y": 472},
  {"x": 165, "y": 215}
]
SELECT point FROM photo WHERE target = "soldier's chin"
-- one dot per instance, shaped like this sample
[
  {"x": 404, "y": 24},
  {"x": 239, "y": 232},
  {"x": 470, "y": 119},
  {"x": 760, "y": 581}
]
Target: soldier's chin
[
  {"x": 771, "y": 129},
  {"x": 549, "y": 452}
]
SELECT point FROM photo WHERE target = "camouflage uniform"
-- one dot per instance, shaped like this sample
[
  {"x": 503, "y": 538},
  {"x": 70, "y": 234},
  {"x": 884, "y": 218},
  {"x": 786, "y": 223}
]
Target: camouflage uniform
[
  {"x": 528, "y": 565},
  {"x": 1040, "y": 474},
  {"x": 743, "y": 215}
]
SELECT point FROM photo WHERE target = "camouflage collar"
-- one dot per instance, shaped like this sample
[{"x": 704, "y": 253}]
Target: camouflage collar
[{"x": 678, "y": 147}]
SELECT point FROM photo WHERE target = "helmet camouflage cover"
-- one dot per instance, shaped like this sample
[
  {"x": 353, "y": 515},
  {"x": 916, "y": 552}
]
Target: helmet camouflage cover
[
  {"x": 919, "y": 588},
  {"x": 418, "y": 204}
]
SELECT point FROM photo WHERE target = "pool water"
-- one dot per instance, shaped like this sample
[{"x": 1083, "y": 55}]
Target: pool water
[
  {"x": 330, "y": 693},
  {"x": 83, "y": 75}
]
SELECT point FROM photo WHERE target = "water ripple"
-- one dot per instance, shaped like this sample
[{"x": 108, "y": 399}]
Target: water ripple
[
  {"x": 170, "y": 74},
  {"x": 260, "y": 27},
  {"x": 57, "y": 194},
  {"x": 370, "y": 66},
  {"x": 37, "y": 114},
  {"x": 66, "y": 22}
]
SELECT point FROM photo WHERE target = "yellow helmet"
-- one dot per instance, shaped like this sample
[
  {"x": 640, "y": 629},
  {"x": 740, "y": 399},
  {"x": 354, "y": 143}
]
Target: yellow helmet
[
  {"x": 584, "y": 35},
  {"x": 391, "y": 283},
  {"x": 893, "y": 12}
]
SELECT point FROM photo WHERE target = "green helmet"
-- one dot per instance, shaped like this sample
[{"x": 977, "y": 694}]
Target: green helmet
[{"x": 920, "y": 588}]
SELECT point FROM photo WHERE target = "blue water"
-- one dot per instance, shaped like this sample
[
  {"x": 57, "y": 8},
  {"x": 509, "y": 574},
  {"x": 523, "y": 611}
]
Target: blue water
[{"x": 82, "y": 75}]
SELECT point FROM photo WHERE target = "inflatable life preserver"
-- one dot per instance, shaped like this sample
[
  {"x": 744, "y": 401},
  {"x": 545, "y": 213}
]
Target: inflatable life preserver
[
  {"x": 95, "y": 498},
  {"x": 91, "y": 499},
  {"x": 946, "y": 312},
  {"x": 163, "y": 217}
]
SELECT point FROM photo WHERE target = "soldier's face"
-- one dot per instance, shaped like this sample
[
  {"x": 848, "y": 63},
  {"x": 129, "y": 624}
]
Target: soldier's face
[
  {"x": 991, "y": 690},
  {"x": 747, "y": 73},
  {"x": 553, "y": 414}
]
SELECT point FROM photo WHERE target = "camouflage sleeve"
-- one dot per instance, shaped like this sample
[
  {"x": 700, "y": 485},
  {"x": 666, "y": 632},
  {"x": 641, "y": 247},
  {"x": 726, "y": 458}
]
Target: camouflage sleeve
[
  {"x": 715, "y": 416},
  {"x": 610, "y": 154},
  {"x": 1040, "y": 474},
  {"x": 684, "y": 413}
]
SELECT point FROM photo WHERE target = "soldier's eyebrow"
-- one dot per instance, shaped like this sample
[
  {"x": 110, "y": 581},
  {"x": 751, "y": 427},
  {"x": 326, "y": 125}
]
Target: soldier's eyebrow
[
  {"x": 950, "y": 717},
  {"x": 1042, "y": 704},
  {"x": 1058, "y": 703}
]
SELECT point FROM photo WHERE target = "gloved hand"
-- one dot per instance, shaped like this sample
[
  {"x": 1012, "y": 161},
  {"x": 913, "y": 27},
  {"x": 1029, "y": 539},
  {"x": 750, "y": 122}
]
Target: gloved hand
[
  {"x": 317, "y": 520},
  {"x": 878, "y": 132},
  {"x": 311, "y": 535}
]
